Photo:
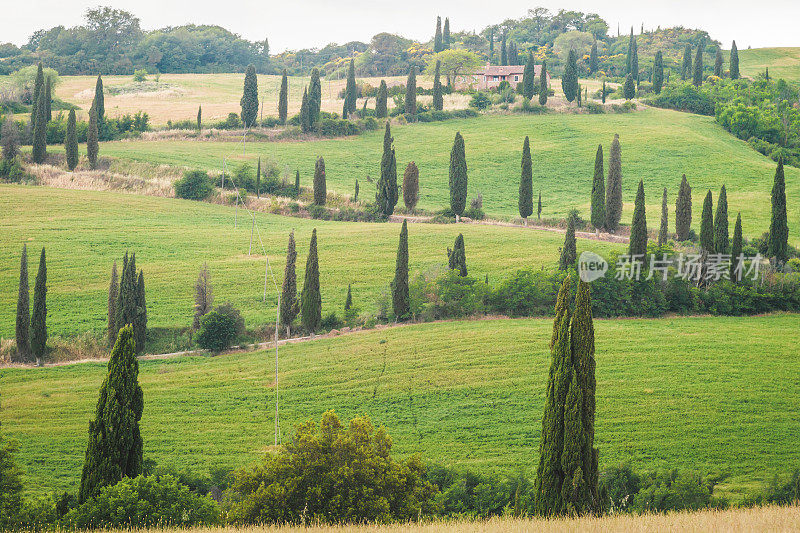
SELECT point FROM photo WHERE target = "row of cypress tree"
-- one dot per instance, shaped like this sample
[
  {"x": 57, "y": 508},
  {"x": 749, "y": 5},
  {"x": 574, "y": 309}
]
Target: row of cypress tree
[
  {"x": 127, "y": 304},
  {"x": 441, "y": 38},
  {"x": 31, "y": 328}
]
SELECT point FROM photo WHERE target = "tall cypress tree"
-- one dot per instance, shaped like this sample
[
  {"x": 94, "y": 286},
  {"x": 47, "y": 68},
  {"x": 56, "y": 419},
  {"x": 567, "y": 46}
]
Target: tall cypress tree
[
  {"x": 633, "y": 58},
  {"x": 528, "y": 75},
  {"x": 438, "y": 99},
  {"x": 543, "y": 89},
  {"x": 400, "y": 295},
  {"x": 92, "y": 138},
  {"x": 629, "y": 89},
  {"x": 683, "y": 211},
  {"x": 734, "y": 62},
  {"x": 503, "y": 51},
  {"x": 411, "y": 186},
  {"x": 491, "y": 44},
  {"x": 39, "y": 150},
  {"x": 115, "y": 441},
  {"x": 594, "y": 62},
  {"x": 598, "y": 191},
  {"x": 310, "y": 297},
  {"x": 411, "y": 92},
  {"x": 614, "y": 187},
  {"x": 686, "y": 67},
  {"x": 457, "y": 257},
  {"x": 736, "y": 248},
  {"x": 446, "y": 34},
  {"x": 721, "y": 243},
  {"x": 23, "y": 312},
  {"x": 315, "y": 98},
  {"x": 320, "y": 183},
  {"x": 71, "y": 142},
  {"x": 113, "y": 296},
  {"x": 48, "y": 101},
  {"x": 99, "y": 102},
  {"x": 386, "y": 196},
  {"x": 199, "y": 118},
  {"x": 249, "y": 101},
  {"x": 140, "y": 318},
  {"x": 658, "y": 73},
  {"x": 305, "y": 115},
  {"x": 39, "y": 315},
  {"x": 539, "y": 207},
  {"x": 458, "y": 177},
  {"x": 437, "y": 38},
  {"x": 569, "y": 252},
  {"x": 778, "y": 248},
  {"x": 126, "y": 302},
  {"x": 569, "y": 81},
  {"x": 283, "y": 98},
  {"x": 258, "y": 178},
  {"x": 718, "y": 63},
  {"x": 38, "y": 87},
  {"x": 707, "y": 225},
  {"x": 629, "y": 56},
  {"x": 638, "y": 240},
  {"x": 348, "y": 301},
  {"x": 381, "y": 101},
  {"x": 526, "y": 183},
  {"x": 289, "y": 304},
  {"x": 351, "y": 90},
  {"x": 663, "y": 230},
  {"x": 697, "y": 75}
]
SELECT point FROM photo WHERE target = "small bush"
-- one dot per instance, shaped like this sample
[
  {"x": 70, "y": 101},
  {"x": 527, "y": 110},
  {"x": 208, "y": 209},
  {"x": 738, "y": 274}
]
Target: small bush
[
  {"x": 480, "y": 101},
  {"x": 220, "y": 328},
  {"x": 11, "y": 170},
  {"x": 194, "y": 185}
]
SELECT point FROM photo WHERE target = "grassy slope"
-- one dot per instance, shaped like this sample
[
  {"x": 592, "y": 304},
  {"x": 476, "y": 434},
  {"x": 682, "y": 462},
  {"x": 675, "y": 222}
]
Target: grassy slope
[
  {"x": 782, "y": 62},
  {"x": 85, "y": 231},
  {"x": 657, "y": 146},
  {"x": 711, "y": 394}
]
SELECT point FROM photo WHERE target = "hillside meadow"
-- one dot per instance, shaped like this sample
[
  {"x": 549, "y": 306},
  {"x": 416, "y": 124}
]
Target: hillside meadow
[
  {"x": 782, "y": 62},
  {"x": 701, "y": 394}
]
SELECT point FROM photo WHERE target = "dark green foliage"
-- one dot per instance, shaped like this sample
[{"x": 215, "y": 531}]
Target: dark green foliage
[
  {"x": 528, "y": 75},
  {"x": 458, "y": 176},
  {"x": 539, "y": 207},
  {"x": 721, "y": 243},
  {"x": 297, "y": 181},
  {"x": 140, "y": 319},
  {"x": 315, "y": 97},
  {"x": 355, "y": 195},
  {"x": 258, "y": 178},
  {"x": 194, "y": 185},
  {"x": 10, "y": 485},
  {"x": 632, "y": 60},
  {"x": 381, "y": 101},
  {"x": 99, "y": 101},
  {"x": 629, "y": 89},
  {"x": 438, "y": 99},
  {"x": 387, "y": 194},
  {"x": 697, "y": 74},
  {"x": 658, "y": 72},
  {"x": 39, "y": 150},
  {"x": 71, "y": 142},
  {"x": 734, "y": 62},
  {"x": 736, "y": 247},
  {"x": 569, "y": 81},
  {"x": 320, "y": 186},
  {"x": 23, "y": 312},
  {"x": 410, "y": 186},
  {"x": 306, "y": 124},
  {"x": 778, "y": 248},
  {"x": 569, "y": 252},
  {"x": 9, "y": 139},
  {"x": 48, "y": 101},
  {"x": 457, "y": 257},
  {"x": 446, "y": 34},
  {"x": 638, "y": 239},
  {"x": 614, "y": 187},
  {"x": 219, "y": 329},
  {"x": 603, "y": 92},
  {"x": 543, "y": 89},
  {"x": 203, "y": 296},
  {"x": 663, "y": 230},
  {"x": 38, "y": 88},
  {"x": 289, "y": 304},
  {"x": 126, "y": 302},
  {"x": 39, "y": 315},
  {"x": 199, "y": 118},
  {"x": 686, "y": 67},
  {"x": 249, "y": 101},
  {"x": 683, "y": 211},
  {"x": 718, "y": 62},
  {"x": 92, "y": 139},
  {"x": 115, "y": 442},
  {"x": 411, "y": 92},
  {"x": 283, "y": 98},
  {"x": 351, "y": 94},
  {"x": 598, "y": 214},
  {"x": 503, "y": 51},
  {"x": 401, "y": 306},
  {"x": 113, "y": 296},
  {"x": 593, "y": 59},
  {"x": 707, "y": 225},
  {"x": 437, "y": 38},
  {"x": 526, "y": 182},
  {"x": 310, "y": 297}
]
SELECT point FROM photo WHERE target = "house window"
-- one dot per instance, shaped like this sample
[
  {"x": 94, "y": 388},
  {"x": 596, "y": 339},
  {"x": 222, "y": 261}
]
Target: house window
[
  {"x": 496, "y": 78},
  {"x": 516, "y": 78}
]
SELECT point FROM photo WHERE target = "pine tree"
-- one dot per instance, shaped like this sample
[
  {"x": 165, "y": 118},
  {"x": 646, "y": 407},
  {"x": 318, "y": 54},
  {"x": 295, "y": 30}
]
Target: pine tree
[
  {"x": 39, "y": 150},
  {"x": 289, "y": 304},
  {"x": 386, "y": 196},
  {"x": 39, "y": 315},
  {"x": 38, "y": 87},
  {"x": 249, "y": 101},
  {"x": 115, "y": 441},
  {"x": 528, "y": 75},
  {"x": 315, "y": 98},
  {"x": 721, "y": 243},
  {"x": 778, "y": 247},
  {"x": 283, "y": 98},
  {"x": 638, "y": 239},
  {"x": 381, "y": 101},
  {"x": 614, "y": 187},
  {"x": 310, "y": 297},
  {"x": 351, "y": 94},
  {"x": 446, "y": 34},
  {"x": 140, "y": 318},
  {"x": 503, "y": 51},
  {"x": 71, "y": 142},
  {"x": 543, "y": 89},
  {"x": 92, "y": 137},
  {"x": 718, "y": 62},
  {"x": 411, "y": 92},
  {"x": 697, "y": 76},
  {"x": 569, "y": 253},
  {"x": 594, "y": 62},
  {"x": 400, "y": 294},
  {"x": 598, "y": 191},
  {"x": 438, "y": 99},
  {"x": 539, "y": 207},
  {"x": 48, "y": 101},
  {"x": 663, "y": 230},
  {"x": 23, "y": 312},
  {"x": 458, "y": 177},
  {"x": 113, "y": 296},
  {"x": 99, "y": 102},
  {"x": 658, "y": 73},
  {"x": 736, "y": 248},
  {"x": 707, "y": 225},
  {"x": 320, "y": 186},
  {"x": 411, "y": 186},
  {"x": 199, "y": 118},
  {"x": 437, "y": 38},
  {"x": 629, "y": 89},
  {"x": 683, "y": 211},
  {"x": 734, "y": 62},
  {"x": 457, "y": 257},
  {"x": 526, "y": 183},
  {"x": 686, "y": 67},
  {"x": 305, "y": 115},
  {"x": 569, "y": 82}
]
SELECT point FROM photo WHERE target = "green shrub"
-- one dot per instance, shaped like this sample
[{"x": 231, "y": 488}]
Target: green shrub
[
  {"x": 194, "y": 185},
  {"x": 139, "y": 75},
  {"x": 684, "y": 97},
  {"x": 10, "y": 485},
  {"x": 220, "y": 328},
  {"x": 11, "y": 170},
  {"x": 480, "y": 101}
]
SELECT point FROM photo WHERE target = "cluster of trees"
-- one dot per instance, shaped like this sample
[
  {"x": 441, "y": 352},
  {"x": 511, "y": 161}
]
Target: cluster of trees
[{"x": 127, "y": 305}]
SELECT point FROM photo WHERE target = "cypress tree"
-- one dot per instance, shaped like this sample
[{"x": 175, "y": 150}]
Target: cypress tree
[
  {"x": 629, "y": 57},
  {"x": 491, "y": 44},
  {"x": 315, "y": 98},
  {"x": 99, "y": 102},
  {"x": 734, "y": 62},
  {"x": 686, "y": 67},
  {"x": 580, "y": 93},
  {"x": 778, "y": 248},
  {"x": 39, "y": 315},
  {"x": 351, "y": 94},
  {"x": 38, "y": 87},
  {"x": 513, "y": 56},
  {"x": 386, "y": 196},
  {"x": 113, "y": 296},
  {"x": 400, "y": 295},
  {"x": 320, "y": 185},
  {"x": 569, "y": 253},
  {"x": 437, "y": 38},
  {"x": 249, "y": 101},
  {"x": 115, "y": 442},
  {"x": 199, "y": 118},
  {"x": 718, "y": 61},
  {"x": 71, "y": 142},
  {"x": 736, "y": 248},
  {"x": 48, "y": 101},
  {"x": 457, "y": 257},
  {"x": 411, "y": 186},
  {"x": 569, "y": 82},
  {"x": 630, "y": 88},
  {"x": 203, "y": 296},
  {"x": 543, "y": 89},
  {"x": 126, "y": 301},
  {"x": 683, "y": 211},
  {"x": 663, "y": 230},
  {"x": 381, "y": 107},
  {"x": 598, "y": 191},
  {"x": 310, "y": 297},
  {"x": 258, "y": 178},
  {"x": 526, "y": 183},
  {"x": 593, "y": 59},
  {"x": 603, "y": 92},
  {"x": 348, "y": 301},
  {"x": 638, "y": 240},
  {"x": 297, "y": 181},
  {"x": 446, "y": 34},
  {"x": 355, "y": 197},
  {"x": 23, "y": 312},
  {"x": 39, "y": 151},
  {"x": 633, "y": 58},
  {"x": 305, "y": 115},
  {"x": 658, "y": 73},
  {"x": 438, "y": 99},
  {"x": 92, "y": 137},
  {"x": 411, "y": 92},
  {"x": 721, "y": 243},
  {"x": 614, "y": 187},
  {"x": 503, "y": 51},
  {"x": 283, "y": 98},
  {"x": 539, "y": 207},
  {"x": 289, "y": 304},
  {"x": 528, "y": 75},
  {"x": 140, "y": 318},
  {"x": 697, "y": 76},
  {"x": 458, "y": 177},
  {"x": 707, "y": 225}
]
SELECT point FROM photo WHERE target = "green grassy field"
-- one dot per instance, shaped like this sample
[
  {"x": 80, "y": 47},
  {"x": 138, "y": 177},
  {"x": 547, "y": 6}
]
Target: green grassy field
[
  {"x": 707, "y": 394},
  {"x": 85, "y": 231},
  {"x": 782, "y": 62},
  {"x": 658, "y": 146}
]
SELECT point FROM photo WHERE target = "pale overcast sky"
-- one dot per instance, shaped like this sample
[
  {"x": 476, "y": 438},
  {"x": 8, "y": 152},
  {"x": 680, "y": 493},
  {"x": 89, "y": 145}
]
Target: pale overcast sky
[{"x": 294, "y": 24}]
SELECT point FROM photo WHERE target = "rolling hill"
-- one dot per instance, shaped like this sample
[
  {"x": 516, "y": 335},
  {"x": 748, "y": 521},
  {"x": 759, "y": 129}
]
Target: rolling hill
[{"x": 782, "y": 62}]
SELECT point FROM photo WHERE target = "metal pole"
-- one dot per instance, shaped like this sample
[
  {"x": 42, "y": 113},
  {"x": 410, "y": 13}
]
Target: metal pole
[
  {"x": 236, "y": 211},
  {"x": 277, "y": 425},
  {"x": 252, "y": 228},
  {"x": 266, "y": 270}
]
